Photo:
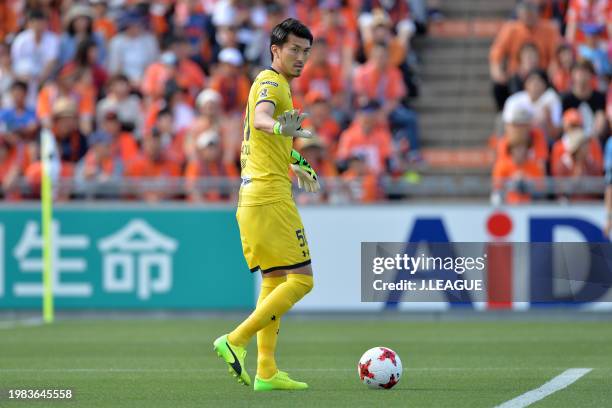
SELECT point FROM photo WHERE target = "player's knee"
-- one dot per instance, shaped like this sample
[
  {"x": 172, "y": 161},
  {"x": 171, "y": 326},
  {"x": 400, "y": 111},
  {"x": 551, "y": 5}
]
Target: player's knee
[{"x": 304, "y": 282}]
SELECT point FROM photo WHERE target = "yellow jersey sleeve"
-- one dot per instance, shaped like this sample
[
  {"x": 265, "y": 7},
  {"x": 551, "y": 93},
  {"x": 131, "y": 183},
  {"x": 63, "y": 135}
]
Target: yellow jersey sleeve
[{"x": 264, "y": 157}]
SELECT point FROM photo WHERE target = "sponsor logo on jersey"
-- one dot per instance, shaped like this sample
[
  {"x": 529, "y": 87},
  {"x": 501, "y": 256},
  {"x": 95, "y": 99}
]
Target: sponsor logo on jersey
[{"x": 270, "y": 83}]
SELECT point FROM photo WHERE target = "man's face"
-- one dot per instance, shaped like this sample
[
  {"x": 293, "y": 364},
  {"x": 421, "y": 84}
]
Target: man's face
[
  {"x": 152, "y": 148},
  {"x": 517, "y": 132},
  {"x": 19, "y": 96},
  {"x": 582, "y": 77},
  {"x": 519, "y": 153},
  {"x": 368, "y": 119},
  {"x": 38, "y": 25},
  {"x": 292, "y": 55}
]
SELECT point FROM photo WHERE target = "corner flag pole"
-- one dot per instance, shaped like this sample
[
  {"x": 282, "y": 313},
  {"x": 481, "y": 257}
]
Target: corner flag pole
[{"x": 48, "y": 155}]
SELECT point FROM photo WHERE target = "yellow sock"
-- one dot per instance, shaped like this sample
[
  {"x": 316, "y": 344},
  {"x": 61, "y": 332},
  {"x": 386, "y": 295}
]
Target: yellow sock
[
  {"x": 276, "y": 304},
  {"x": 266, "y": 337}
]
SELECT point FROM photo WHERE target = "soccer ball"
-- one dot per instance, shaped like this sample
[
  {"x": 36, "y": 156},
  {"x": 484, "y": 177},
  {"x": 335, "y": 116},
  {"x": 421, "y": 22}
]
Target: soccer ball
[{"x": 380, "y": 368}]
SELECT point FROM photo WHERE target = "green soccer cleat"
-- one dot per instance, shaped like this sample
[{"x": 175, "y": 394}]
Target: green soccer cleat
[
  {"x": 279, "y": 381},
  {"x": 234, "y": 357}
]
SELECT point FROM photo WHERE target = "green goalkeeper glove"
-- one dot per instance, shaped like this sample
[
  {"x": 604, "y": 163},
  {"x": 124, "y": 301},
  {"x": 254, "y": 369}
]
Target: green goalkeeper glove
[
  {"x": 289, "y": 123},
  {"x": 307, "y": 178}
]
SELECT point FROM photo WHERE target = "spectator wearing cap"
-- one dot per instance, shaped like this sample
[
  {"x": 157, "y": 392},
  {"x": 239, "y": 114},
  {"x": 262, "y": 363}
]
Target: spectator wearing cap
[
  {"x": 518, "y": 128},
  {"x": 505, "y": 51},
  {"x": 366, "y": 136},
  {"x": 543, "y": 101},
  {"x": 71, "y": 143},
  {"x": 231, "y": 82},
  {"x": 590, "y": 103},
  {"x": 517, "y": 175},
  {"x": 321, "y": 120},
  {"x": 78, "y": 27},
  {"x": 210, "y": 117},
  {"x": 572, "y": 122},
  {"x": 593, "y": 51},
  {"x": 341, "y": 40},
  {"x": 380, "y": 81},
  {"x": 126, "y": 105},
  {"x": 35, "y": 51},
  {"x": 101, "y": 168},
  {"x": 68, "y": 86},
  {"x": 321, "y": 76},
  {"x": 133, "y": 49},
  {"x": 576, "y": 160},
  {"x": 122, "y": 143},
  {"x": 203, "y": 172},
  {"x": 589, "y": 12},
  {"x": 153, "y": 165}
]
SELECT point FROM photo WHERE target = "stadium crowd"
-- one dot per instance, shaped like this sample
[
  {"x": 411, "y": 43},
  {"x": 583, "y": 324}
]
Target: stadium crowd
[
  {"x": 155, "y": 91},
  {"x": 551, "y": 71}
]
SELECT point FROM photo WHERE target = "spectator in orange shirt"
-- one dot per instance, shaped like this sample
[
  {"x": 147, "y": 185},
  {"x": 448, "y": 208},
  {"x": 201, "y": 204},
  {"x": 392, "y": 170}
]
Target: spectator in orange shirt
[
  {"x": 505, "y": 51},
  {"x": 517, "y": 175},
  {"x": 572, "y": 122},
  {"x": 157, "y": 173},
  {"x": 67, "y": 86},
  {"x": 360, "y": 182},
  {"x": 157, "y": 75},
  {"x": 581, "y": 12},
  {"x": 577, "y": 160},
  {"x": 341, "y": 41},
  {"x": 204, "y": 174},
  {"x": 190, "y": 75},
  {"x": 321, "y": 120},
  {"x": 172, "y": 141},
  {"x": 561, "y": 69},
  {"x": 380, "y": 81},
  {"x": 102, "y": 23},
  {"x": 230, "y": 81},
  {"x": 378, "y": 29},
  {"x": 10, "y": 170},
  {"x": 518, "y": 125},
  {"x": 367, "y": 137},
  {"x": 321, "y": 76},
  {"x": 122, "y": 143},
  {"x": 98, "y": 174},
  {"x": 574, "y": 164}
]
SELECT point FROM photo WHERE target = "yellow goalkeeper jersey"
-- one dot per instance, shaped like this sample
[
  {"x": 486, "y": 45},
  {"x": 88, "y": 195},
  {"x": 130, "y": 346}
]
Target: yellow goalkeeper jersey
[{"x": 265, "y": 157}]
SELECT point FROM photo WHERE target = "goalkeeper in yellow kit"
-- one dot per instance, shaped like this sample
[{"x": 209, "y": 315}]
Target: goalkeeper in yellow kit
[{"x": 271, "y": 231}]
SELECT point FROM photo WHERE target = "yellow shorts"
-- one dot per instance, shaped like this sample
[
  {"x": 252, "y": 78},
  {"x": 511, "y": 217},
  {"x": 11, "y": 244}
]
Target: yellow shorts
[{"x": 273, "y": 236}]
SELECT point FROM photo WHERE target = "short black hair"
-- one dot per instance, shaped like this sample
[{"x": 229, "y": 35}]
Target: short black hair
[
  {"x": 280, "y": 33},
  {"x": 20, "y": 85}
]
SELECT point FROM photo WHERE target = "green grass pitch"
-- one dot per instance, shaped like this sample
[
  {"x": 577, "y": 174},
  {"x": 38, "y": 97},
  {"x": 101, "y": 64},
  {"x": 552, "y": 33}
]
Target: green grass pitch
[{"x": 170, "y": 363}]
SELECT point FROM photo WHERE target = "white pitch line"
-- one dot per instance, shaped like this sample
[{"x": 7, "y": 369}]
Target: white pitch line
[
  {"x": 558, "y": 383},
  {"x": 213, "y": 370},
  {"x": 13, "y": 324}
]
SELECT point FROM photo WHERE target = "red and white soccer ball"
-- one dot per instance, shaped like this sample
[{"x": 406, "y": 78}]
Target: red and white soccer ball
[{"x": 380, "y": 368}]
